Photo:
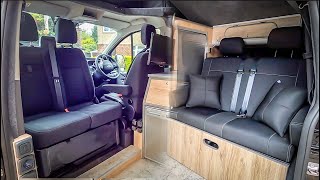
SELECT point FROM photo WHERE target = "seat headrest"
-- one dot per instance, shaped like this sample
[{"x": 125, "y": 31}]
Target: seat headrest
[
  {"x": 146, "y": 31},
  {"x": 285, "y": 38},
  {"x": 232, "y": 46},
  {"x": 65, "y": 31},
  {"x": 28, "y": 28},
  {"x": 46, "y": 40}
]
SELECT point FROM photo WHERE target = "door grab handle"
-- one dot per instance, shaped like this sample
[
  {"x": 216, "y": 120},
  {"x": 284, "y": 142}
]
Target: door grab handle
[{"x": 211, "y": 144}]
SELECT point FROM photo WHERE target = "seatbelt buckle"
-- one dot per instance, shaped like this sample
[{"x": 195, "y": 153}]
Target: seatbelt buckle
[
  {"x": 56, "y": 79},
  {"x": 307, "y": 55},
  {"x": 253, "y": 71},
  {"x": 240, "y": 71},
  {"x": 242, "y": 114}
]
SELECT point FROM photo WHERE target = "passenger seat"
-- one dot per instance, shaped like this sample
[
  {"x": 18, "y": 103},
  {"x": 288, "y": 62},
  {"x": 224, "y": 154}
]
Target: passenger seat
[
  {"x": 57, "y": 131},
  {"x": 42, "y": 118},
  {"x": 77, "y": 81}
]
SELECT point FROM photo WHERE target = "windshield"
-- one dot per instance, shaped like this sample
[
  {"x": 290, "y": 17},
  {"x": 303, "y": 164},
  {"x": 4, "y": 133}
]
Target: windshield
[{"x": 94, "y": 39}]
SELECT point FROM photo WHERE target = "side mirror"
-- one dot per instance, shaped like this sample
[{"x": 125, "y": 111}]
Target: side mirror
[{"x": 121, "y": 62}]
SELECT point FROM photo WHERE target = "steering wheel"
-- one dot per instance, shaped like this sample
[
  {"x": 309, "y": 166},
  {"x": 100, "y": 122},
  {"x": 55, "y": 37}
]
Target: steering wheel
[{"x": 107, "y": 66}]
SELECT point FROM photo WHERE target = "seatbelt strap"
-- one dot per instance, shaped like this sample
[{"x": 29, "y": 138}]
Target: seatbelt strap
[
  {"x": 308, "y": 55},
  {"x": 247, "y": 94},
  {"x": 236, "y": 88},
  {"x": 56, "y": 77}
]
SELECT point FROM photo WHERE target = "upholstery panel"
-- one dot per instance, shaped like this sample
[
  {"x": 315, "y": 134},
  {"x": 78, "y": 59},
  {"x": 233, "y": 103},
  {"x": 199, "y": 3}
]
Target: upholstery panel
[
  {"x": 257, "y": 136},
  {"x": 50, "y": 128},
  {"x": 78, "y": 83},
  {"x": 195, "y": 116},
  {"x": 101, "y": 113}
]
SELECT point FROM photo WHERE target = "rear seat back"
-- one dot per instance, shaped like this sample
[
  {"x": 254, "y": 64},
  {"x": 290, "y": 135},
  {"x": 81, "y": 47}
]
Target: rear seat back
[
  {"x": 78, "y": 83},
  {"x": 287, "y": 70},
  {"x": 226, "y": 67},
  {"x": 36, "y": 91},
  {"x": 290, "y": 72}
]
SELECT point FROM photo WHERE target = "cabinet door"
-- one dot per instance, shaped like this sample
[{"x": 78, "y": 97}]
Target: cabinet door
[
  {"x": 184, "y": 144},
  {"x": 215, "y": 158}
]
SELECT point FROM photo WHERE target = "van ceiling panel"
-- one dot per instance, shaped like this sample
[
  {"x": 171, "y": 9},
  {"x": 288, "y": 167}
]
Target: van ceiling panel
[
  {"x": 223, "y": 12},
  {"x": 46, "y": 8}
]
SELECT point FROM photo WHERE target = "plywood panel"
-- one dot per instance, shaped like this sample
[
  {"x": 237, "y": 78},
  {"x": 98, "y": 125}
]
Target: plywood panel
[
  {"x": 114, "y": 165},
  {"x": 229, "y": 161},
  {"x": 137, "y": 139},
  {"x": 253, "y": 29},
  {"x": 158, "y": 92}
]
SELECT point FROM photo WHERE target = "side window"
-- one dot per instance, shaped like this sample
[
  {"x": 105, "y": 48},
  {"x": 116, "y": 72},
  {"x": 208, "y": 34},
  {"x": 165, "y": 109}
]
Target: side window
[{"x": 128, "y": 49}]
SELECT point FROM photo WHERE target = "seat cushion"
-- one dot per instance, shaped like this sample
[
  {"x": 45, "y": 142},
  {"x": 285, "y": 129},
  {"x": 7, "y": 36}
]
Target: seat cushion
[
  {"x": 279, "y": 107},
  {"x": 101, "y": 113},
  {"x": 204, "y": 91},
  {"x": 259, "y": 137},
  {"x": 195, "y": 116},
  {"x": 215, "y": 124},
  {"x": 50, "y": 128}
]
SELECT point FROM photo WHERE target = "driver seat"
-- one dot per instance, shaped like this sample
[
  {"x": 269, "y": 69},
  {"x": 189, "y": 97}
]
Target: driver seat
[{"x": 137, "y": 77}]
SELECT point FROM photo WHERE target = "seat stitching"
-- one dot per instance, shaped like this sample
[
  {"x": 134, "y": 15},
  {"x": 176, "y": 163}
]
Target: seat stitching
[
  {"x": 209, "y": 68},
  {"x": 269, "y": 104},
  {"x": 290, "y": 133},
  {"x": 226, "y": 124},
  {"x": 269, "y": 142},
  {"x": 223, "y": 71},
  {"x": 205, "y": 90},
  {"x": 295, "y": 84},
  {"x": 288, "y": 153},
  {"x": 204, "y": 125},
  {"x": 295, "y": 124},
  {"x": 281, "y": 75}
]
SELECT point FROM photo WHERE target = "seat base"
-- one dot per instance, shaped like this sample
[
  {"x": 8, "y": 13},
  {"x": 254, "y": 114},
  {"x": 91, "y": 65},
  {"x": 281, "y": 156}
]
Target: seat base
[
  {"x": 64, "y": 153},
  {"x": 246, "y": 132}
]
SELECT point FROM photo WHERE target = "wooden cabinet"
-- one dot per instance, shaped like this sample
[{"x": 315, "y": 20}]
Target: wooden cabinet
[
  {"x": 159, "y": 91},
  {"x": 229, "y": 161}
]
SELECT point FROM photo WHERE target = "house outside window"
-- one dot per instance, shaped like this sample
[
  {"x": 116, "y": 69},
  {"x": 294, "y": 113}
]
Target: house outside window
[{"x": 107, "y": 29}]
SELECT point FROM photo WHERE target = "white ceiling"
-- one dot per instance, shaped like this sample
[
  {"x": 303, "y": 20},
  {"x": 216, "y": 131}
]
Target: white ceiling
[{"x": 74, "y": 11}]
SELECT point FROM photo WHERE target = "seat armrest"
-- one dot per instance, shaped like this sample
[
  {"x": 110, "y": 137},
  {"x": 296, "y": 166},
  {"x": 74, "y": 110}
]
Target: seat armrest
[
  {"x": 124, "y": 90},
  {"x": 296, "y": 125},
  {"x": 179, "y": 96}
]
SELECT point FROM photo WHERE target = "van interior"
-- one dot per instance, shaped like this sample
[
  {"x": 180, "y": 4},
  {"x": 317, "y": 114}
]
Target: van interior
[{"x": 160, "y": 89}]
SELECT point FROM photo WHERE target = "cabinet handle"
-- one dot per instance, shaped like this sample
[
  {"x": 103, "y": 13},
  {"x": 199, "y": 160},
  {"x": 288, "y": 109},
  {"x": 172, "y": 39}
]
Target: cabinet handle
[{"x": 211, "y": 144}]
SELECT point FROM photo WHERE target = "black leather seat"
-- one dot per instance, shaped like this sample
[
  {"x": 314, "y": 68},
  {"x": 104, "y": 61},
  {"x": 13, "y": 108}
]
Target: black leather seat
[
  {"x": 77, "y": 81},
  {"x": 43, "y": 120},
  {"x": 249, "y": 131}
]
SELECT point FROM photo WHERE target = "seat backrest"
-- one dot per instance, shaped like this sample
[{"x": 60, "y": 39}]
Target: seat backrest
[
  {"x": 288, "y": 70},
  {"x": 137, "y": 76},
  {"x": 77, "y": 80},
  {"x": 227, "y": 67},
  {"x": 36, "y": 88}
]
